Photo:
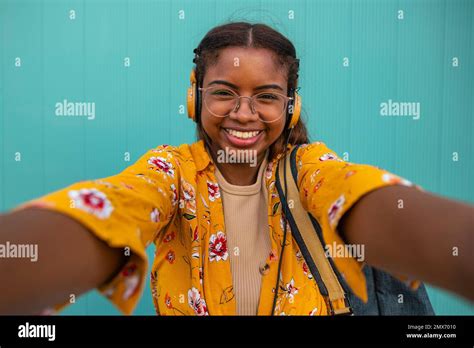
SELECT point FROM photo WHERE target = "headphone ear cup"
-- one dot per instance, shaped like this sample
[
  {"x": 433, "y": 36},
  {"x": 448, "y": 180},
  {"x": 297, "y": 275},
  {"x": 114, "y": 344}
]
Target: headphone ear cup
[
  {"x": 296, "y": 111},
  {"x": 191, "y": 97},
  {"x": 190, "y": 103}
]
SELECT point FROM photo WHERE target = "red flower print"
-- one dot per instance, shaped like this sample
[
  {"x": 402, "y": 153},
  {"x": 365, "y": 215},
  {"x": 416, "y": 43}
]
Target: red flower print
[
  {"x": 92, "y": 201},
  {"x": 218, "y": 247},
  {"x": 129, "y": 269},
  {"x": 169, "y": 237},
  {"x": 161, "y": 164},
  {"x": 335, "y": 209},
  {"x": 197, "y": 303},
  {"x": 170, "y": 256},
  {"x": 213, "y": 189}
]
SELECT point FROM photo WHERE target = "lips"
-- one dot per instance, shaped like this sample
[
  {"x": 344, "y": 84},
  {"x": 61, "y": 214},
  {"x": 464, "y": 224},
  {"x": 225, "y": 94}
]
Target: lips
[
  {"x": 240, "y": 138},
  {"x": 242, "y": 134}
]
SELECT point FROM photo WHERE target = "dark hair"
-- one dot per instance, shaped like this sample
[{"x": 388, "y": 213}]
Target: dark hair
[{"x": 243, "y": 34}]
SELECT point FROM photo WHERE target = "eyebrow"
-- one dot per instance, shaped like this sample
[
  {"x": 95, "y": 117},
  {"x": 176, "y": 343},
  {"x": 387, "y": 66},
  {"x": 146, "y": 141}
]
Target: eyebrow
[{"x": 223, "y": 82}]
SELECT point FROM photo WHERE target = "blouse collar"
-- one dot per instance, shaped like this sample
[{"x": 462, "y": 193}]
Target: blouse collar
[{"x": 202, "y": 158}]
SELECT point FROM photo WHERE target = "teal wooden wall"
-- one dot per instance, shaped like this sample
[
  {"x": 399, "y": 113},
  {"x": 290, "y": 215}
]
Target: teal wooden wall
[{"x": 354, "y": 56}]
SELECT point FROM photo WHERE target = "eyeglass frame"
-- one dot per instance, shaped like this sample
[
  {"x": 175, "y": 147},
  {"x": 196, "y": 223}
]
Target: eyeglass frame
[{"x": 287, "y": 99}]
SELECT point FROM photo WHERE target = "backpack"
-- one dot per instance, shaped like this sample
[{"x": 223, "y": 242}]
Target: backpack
[{"x": 383, "y": 289}]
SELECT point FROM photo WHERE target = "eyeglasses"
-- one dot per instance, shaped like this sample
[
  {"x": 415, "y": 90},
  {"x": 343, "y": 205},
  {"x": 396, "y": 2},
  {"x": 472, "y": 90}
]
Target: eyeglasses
[{"x": 220, "y": 102}]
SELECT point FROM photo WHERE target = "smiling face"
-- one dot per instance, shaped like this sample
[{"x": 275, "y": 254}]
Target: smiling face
[{"x": 242, "y": 129}]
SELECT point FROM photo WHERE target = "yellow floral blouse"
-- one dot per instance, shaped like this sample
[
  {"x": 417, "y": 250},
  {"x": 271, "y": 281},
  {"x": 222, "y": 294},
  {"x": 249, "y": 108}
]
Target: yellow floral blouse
[{"x": 170, "y": 197}]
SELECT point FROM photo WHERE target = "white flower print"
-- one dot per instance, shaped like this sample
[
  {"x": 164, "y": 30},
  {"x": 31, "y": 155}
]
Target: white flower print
[
  {"x": 92, "y": 201},
  {"x": 197, "y": 303},
  {"x": 290, "y": 289},
  {"x": 327, "y": 156},
  {"x": 213, "y": 189},
  {"x": 131, "y": 280},
  {"x": 161, "y": 164},
  {"x": 218, "y": 247}
]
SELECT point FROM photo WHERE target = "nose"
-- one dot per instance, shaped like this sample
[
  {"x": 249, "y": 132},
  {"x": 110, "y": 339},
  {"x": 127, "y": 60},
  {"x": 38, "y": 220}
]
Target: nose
[{"x": 243, "y": 111}]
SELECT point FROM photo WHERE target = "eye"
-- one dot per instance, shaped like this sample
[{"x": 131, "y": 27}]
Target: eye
[
  {"x": 268, "y": 96},
  {"x": 223, "y": 92}
]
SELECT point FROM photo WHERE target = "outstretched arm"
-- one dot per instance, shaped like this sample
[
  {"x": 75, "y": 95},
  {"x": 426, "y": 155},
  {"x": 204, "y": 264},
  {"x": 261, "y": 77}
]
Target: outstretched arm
[
  {"x": 91, "y": 234},
  {"x": 430, "y": 238},
  {"x": 71, "y": 260}
]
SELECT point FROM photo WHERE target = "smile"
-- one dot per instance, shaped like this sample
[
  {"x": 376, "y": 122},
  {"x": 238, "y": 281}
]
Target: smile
[{"x": 242, "y": 135}]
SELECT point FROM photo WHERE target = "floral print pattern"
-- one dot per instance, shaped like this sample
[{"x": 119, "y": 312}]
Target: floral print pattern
[
  {"x": 197, "y": 303},
  {"x": 154, "y": 201},
  {"x": 161, "y": 164},
  {"x": 92, "y": 201},
  {"x": 335, "y": 209},
  {"x": 218, "y": 247},
  {"x": 214, "y": 192}
]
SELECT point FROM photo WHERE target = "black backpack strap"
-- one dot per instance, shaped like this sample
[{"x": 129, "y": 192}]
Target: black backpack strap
[{"x": 309, "y": 241}]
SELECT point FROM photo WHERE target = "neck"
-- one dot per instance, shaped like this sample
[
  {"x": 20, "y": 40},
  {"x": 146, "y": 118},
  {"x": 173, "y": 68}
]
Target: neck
[{"x": 241, "y": 174}]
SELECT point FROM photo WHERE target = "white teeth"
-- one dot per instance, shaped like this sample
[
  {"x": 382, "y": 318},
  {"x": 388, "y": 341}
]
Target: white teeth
[{"x": 242, "y": 135}]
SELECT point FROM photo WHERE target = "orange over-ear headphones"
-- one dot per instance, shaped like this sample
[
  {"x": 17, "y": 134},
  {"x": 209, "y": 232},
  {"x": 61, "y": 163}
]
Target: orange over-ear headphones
[{"x": 193, "y": 103}]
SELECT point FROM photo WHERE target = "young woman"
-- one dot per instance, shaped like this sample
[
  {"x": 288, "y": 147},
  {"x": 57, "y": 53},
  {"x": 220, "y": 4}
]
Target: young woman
[{"x": 217, "y": 221}]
